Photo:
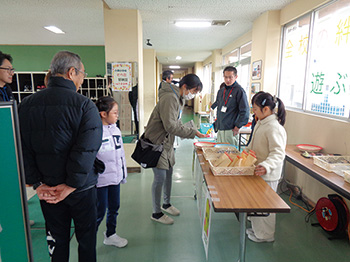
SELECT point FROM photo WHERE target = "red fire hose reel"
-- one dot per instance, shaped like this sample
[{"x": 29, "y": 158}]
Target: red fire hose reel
[{"x": 332, "y": 214}]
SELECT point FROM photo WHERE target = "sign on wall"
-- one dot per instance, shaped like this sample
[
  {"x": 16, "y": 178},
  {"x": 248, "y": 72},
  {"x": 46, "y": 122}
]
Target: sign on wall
[{"x": 122, "y": 76}]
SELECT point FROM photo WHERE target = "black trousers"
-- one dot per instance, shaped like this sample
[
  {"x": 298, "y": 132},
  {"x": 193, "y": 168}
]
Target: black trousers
[{"x": 80, "y": 207}]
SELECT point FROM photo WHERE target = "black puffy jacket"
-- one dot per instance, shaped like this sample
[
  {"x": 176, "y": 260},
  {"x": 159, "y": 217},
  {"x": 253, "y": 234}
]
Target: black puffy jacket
[{"x": 61, "y": 132}]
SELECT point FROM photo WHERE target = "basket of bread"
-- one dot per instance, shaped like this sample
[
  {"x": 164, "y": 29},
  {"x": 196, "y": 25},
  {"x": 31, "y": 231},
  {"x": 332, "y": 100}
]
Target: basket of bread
[
  {"x": 215, "y": 152},
  {"x": 232, "y": 164}
]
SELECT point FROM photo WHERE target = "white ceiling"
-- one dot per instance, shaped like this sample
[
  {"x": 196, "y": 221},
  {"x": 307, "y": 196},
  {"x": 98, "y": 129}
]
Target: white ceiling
[{"x": 22, "y": 23}]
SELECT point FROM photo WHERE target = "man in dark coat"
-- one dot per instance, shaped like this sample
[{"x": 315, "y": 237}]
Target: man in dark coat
[
  {"x": 133, "y": 97},
  {"x": 61, "y": 133}
]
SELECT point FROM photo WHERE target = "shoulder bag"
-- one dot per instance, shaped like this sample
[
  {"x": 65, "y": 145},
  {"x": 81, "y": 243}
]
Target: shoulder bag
[{"x": 146, "y": 153}]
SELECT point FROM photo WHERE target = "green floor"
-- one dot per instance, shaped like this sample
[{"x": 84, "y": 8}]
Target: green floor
[{"x": 295, "y": 241}]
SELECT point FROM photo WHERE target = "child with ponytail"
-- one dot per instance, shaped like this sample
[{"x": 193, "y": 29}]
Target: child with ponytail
[{"x": 269, "y": 142}]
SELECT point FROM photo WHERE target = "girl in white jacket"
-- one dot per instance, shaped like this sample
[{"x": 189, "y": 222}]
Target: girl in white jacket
[
  {"x": 269, "y": 143},
  {"x": 112, "y": 154}
]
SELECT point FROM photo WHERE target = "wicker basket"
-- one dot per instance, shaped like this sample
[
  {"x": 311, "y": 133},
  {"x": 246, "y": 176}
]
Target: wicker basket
[
  {"x": 213, "y": 153},
  {"x": 332, "y": 163},
  {"x": 231, "y": 171}
]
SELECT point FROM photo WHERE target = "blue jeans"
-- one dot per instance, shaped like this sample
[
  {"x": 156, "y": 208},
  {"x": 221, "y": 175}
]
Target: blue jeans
[{"x": 108, "y": 198}]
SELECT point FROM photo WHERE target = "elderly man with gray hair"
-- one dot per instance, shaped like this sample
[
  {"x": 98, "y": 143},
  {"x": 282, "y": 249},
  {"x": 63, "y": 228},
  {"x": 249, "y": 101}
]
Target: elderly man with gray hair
[{"x": 61, "y": 133}]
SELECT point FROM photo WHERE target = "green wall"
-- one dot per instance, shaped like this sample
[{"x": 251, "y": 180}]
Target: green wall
[{"x": 38, "y": 58}]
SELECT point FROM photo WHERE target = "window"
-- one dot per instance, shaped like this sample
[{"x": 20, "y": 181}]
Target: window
[
  {"x": 207, "y": 78},
  {"x": 328, "y": 82},
  {"x": 240, "y": 58},
  {"x": 294, "y": 55},
  {"x": 246, "y": 51},
  {"x": 318, "y": 80},
  {"x": 231, "y": 57},
  {"x": 243, "y": 75}
]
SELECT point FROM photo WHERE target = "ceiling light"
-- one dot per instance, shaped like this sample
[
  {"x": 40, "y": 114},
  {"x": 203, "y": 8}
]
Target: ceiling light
[
  {"x": 174, "y": 67},
  {"x": 178, "y": 57},
  {"x": 193, "y": 23},
  {"x": 54, "y": 29},
  {"x": 220, "y": 22}
]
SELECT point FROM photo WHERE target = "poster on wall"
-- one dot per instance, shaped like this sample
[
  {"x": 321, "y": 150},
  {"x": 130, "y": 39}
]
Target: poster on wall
[
  {"x": 121, "y": 76},
  {"x": 255, "y": 89},
  {"x": 256, "y": 71}
]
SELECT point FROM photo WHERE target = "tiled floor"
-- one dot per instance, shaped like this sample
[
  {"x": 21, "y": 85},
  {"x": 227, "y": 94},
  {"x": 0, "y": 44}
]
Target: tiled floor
[{"x": 296, "y": 240}]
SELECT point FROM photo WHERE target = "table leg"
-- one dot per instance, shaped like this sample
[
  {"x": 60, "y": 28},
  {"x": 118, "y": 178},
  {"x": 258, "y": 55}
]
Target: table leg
[
  {"x": 242, "y": 236},
  {"x": 193, "y": 157}
]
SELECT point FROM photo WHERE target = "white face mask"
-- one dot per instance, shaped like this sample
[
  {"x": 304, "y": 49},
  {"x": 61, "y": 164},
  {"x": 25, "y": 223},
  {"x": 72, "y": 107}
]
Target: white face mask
[{"x": 189, "y": 96}]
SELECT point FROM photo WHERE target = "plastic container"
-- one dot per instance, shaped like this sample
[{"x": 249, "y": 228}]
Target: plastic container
[
  {"x": 206, "y": 128},
  {"x": 332, "y": 163}
]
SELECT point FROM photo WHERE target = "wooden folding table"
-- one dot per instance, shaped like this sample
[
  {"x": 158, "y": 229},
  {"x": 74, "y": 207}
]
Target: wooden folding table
[{"x": 241, "y": 194}]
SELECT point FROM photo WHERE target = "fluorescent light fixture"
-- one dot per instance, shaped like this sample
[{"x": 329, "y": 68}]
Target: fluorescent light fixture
[
  {"x": 178, "y": 57},
  {"x": 195, "y": 24},
  {"x": 54, "y": 29},
  {"x": 174, "y": 67}
]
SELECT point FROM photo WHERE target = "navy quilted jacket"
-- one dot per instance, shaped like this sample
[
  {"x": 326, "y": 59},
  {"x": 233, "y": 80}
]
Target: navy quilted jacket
[{"x": 61, "y": 132}]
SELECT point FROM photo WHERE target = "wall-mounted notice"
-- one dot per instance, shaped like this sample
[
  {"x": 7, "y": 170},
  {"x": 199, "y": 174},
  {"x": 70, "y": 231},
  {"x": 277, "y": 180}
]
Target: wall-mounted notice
[{"x": 122, "y": 76}]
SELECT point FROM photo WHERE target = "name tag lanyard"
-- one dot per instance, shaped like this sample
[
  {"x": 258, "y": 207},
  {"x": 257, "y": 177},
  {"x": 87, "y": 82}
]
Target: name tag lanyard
[{"x": 224, "y": 108}]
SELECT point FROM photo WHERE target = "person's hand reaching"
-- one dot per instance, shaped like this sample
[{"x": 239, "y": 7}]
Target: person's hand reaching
[{"x": 200, "y": 135}]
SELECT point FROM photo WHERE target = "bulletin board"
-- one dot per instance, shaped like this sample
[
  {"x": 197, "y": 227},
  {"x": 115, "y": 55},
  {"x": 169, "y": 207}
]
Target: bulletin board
[{"x": 15, "y": 240}]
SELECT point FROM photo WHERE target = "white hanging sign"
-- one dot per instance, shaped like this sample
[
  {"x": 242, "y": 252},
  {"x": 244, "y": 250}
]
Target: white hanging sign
[{"x": 121, "y": 76}]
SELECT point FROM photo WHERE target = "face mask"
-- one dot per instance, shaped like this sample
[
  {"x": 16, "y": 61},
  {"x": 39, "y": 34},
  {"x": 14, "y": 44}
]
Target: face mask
[{"x": 189, "y": 96}]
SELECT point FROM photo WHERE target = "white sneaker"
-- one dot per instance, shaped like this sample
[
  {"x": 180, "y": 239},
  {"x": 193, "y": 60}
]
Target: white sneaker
[
  {"x": 249, "y": 231},
  {"x": 115, "y": 240},
  {"x": 253, "y": 238},
  {"x": 164, "y": 219},
  {"x": 171, "y": 210}
]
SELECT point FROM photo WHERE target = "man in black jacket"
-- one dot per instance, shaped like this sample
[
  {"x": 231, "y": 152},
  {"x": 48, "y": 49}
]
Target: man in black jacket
[
  {"x": 61, "y": 133},
  {"x": 6, "y": 74}
]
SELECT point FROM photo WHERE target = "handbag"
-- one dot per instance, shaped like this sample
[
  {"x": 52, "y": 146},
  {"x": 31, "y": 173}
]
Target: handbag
[{"x": 147, "y": 154}]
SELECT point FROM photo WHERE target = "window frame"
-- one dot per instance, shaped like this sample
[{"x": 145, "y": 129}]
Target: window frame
[{"x": 303, "y": 109}]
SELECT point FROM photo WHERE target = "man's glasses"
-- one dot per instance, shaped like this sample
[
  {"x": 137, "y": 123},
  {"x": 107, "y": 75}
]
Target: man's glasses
[
  {"x": 9, "y": 70},
  {"x": 85, "y": 74}
]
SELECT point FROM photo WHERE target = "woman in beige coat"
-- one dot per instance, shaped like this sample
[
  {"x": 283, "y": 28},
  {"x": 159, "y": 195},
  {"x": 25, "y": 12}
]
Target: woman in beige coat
[{"x": 164, "y": 124}]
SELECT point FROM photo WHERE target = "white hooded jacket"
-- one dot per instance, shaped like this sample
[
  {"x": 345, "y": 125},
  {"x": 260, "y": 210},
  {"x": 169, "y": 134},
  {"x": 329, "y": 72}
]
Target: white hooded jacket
[
  {"x": 269, "y": 143},
  {"x": 112, "y": 154}
]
